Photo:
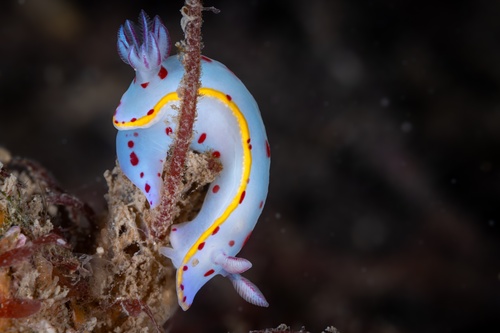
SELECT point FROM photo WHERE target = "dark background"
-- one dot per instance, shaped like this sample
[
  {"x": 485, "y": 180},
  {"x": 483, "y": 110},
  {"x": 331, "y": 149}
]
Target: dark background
[{"x": 383, "y": 118}]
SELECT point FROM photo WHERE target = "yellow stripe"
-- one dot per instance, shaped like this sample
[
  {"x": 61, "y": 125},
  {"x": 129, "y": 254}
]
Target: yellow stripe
[
  {"x": 247, "y": 161},
  {"x": 144, "y": 120}
]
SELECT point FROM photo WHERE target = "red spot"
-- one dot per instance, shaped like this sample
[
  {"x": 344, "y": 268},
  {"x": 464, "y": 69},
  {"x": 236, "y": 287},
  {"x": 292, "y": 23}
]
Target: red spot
[
  {"x": 185, "y": 268},
  {"x": 144, "y": 85},
  {"x": 158, "y": 174},
  {"x": 133, "y": 119},
  {"x": 250, "y": 147},
  {"x": 202, "y": 138},
  {"x": 242, "y": 196},
  {"x": 162, "y": 73},
  {"x": 150, "y": 112},
  {"x": 216, "y": 154},
  {"x": 268, "y": 149},
  {"x": 182, "y": 287},
  {"x": 116, "y": 121},
  {"x": 136, "y": 134},
  {"x": 142, "y": 174},
  {"x": 208, "y": 273},
  {"x": 261, "y": 204},
  {"x": 147, "y": 188},
  {"x": 168, "y": 130},
  {"x": 216, "y": 230},
  {"x": 201, "y": 246},
  {"x": 174, "y": 229},
  {"x": 231, "y": 243},
  {"x": 229, "y": 98},
  {"x": 207, "y": 59},
  {"x": 133, "y": 159},
  {"x": 184, "y": 299},
  {"x": 130, "y": 144},
  {"x": 248, "y": 140},
  {"x": 247, "y": 238},
  {"x": 216, "y": 188}
]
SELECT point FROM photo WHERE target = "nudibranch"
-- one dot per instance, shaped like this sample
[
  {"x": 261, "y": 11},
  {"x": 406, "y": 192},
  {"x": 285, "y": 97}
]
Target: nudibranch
[{"x": 228, "y": 125}]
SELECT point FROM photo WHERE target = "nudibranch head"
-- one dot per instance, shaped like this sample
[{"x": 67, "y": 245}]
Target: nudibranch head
[{"x": 144, "y": 46}]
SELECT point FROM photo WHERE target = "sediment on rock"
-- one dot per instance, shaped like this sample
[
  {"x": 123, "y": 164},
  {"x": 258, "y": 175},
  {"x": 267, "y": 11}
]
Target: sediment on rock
[{"x": 121, "y": 285}]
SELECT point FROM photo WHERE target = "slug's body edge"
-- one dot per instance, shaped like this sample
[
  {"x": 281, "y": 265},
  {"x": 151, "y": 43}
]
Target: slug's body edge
[
  {"x": 231, "y": 227},
  {"x": 229, "y": 125}
]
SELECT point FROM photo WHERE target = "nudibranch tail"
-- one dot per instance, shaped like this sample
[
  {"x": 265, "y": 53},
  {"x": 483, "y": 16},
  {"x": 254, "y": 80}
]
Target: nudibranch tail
[{"x": 144, "y": 47}]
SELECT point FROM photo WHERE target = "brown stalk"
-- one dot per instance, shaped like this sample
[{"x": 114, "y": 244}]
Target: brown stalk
[{"x": 188, "y": 92}]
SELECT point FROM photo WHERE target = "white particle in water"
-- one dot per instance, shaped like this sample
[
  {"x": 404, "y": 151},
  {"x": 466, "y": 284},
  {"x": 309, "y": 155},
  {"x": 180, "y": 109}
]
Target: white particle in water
[
  {"x": 385, "y": 102},
  {"x": 406, "y": 127}
]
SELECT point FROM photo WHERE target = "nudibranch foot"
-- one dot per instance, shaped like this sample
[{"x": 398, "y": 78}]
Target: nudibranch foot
[
  {"x": 141, "y": 154},
  {"x": 248, "y": 291},
  {"x": 171, "y": 254}
]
